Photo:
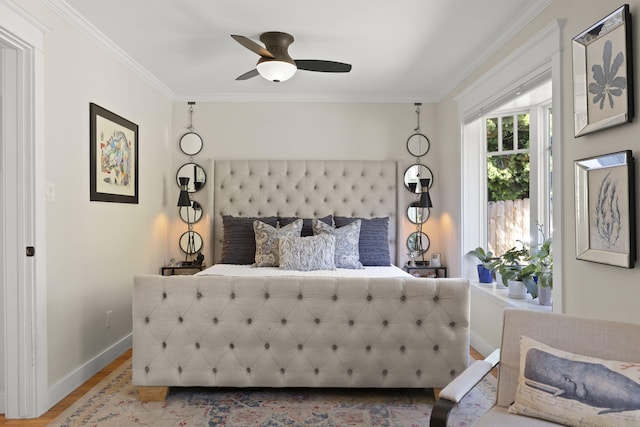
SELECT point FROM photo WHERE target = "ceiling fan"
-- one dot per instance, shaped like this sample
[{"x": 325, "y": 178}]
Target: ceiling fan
[{"x": 276, "y": 65}]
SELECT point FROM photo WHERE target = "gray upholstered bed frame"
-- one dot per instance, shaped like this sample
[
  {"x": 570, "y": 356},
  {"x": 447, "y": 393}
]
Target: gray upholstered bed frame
[
  {"x": 299, "y": 331},
  {"x": 306, "y": 189}
]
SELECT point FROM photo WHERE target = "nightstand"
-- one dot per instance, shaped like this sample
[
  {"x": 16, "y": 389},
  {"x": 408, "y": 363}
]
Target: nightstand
[
  {"x": 423, "y": 270},
  {"x": 183, "y": 270}
]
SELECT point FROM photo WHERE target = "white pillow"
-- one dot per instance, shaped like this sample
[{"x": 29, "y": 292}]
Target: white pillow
[
  {"x": 267, "y": 238},
  {"x": 308, "y": 253},
  {"x": 576, "y": 390},
  {"x": 347, "y": 238}
]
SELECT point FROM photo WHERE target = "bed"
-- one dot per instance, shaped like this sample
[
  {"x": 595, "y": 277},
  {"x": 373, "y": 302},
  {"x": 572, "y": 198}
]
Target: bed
[{"x": 238, "y": 325}]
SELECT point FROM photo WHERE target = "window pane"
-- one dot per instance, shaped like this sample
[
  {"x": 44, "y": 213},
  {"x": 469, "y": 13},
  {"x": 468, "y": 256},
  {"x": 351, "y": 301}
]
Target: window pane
[
  {"x": 507, "y": 133},
  {"x": 492, "y": 135},
  {"x": 508, "y": 201},
  {"x": 523, "y": 131}
]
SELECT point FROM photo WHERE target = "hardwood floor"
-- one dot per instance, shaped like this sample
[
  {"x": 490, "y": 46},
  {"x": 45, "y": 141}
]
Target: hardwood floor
[{"x": 53, "y": 413}]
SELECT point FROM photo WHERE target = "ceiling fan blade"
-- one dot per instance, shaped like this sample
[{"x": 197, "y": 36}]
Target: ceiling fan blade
[
  {"x": 253, "y": 46},
  {"x": 248, "y": 75},
  {"x": 322, "y": 66}
]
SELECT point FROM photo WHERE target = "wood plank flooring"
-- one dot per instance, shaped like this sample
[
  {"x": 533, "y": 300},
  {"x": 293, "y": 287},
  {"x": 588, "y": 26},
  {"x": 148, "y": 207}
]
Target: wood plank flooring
[{"x": 53, "y": 413}]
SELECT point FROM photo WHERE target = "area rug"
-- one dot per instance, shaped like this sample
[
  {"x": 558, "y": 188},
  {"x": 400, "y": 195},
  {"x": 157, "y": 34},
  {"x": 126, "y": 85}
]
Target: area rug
[{"x": 114, "y": 402}]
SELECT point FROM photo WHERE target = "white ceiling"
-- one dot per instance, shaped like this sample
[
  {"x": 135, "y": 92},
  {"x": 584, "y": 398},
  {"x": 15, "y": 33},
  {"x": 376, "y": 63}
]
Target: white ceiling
[{"x": 401, "y": 51}]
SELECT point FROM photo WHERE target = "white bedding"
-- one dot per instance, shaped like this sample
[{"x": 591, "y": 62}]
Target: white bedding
[{"x": 248, "y": 270}]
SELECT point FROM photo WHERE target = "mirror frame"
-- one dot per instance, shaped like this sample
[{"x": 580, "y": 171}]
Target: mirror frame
[
  {"x": 414, "y": 144},
  {"x": 408, "y": 178},
  {"x": 185, "y": 212},
  {"x": 413, "y": 219},
  {"x": 188, "y": 139},
  {"x": 425, "y": 237},
  {"x": 191, "y": 188},
  {"x": 183, "y": 241}
]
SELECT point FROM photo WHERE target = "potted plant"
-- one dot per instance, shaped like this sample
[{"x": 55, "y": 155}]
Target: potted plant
[
  {"x": 517, "y": 273},
  {"x": 542, "y": 259},
  {"x": 485, "y": 268}
]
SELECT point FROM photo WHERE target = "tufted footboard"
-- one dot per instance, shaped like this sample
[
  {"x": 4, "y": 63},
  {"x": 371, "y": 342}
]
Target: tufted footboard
[{"x": 299, "y": 331}]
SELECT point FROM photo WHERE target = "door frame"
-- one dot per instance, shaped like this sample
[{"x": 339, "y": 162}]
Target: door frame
[{"x": 23, "y": 217}]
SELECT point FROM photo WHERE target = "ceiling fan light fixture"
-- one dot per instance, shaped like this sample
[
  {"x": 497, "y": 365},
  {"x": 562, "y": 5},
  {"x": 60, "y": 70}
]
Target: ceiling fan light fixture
[{"x": 276, "y": 70}]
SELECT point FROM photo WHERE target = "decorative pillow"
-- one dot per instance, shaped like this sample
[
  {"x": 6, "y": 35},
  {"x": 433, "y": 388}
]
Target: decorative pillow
[
  {"x": 347, "y": 253},
  {"x": 308, "y": 253},
  {"x": 576, "y": 390},
  {"x": 374, "y": 239},
  {"x": 267, "y": 236},
  {"x": 238, "y": 241},
  {"x": 307, "y": 226}
]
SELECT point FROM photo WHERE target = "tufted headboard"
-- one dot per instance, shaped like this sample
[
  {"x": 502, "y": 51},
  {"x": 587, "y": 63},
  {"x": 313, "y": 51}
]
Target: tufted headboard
[{"x": 306, "y": 189}]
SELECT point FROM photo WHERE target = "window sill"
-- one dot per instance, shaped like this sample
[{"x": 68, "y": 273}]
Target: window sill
[{"x": 501, "y": 296}]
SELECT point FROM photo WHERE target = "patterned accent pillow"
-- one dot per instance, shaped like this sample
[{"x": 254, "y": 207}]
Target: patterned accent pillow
[
  {"x": 267, "y": 236},
  {"x": 347, "y": 252},
  {"x": 576, "y": 390},
  {"x": 374, "y": 239},
  {"x": 308, "y": 253},
  {"x": 238, "y": 241},
  {"x": 307, "y": 229}
]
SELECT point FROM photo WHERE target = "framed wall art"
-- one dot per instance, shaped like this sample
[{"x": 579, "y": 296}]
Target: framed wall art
[
  {"x": 113, "y": 157},
  {"x": 605, "y": 209},
  {"x": 603, "y": 74}
]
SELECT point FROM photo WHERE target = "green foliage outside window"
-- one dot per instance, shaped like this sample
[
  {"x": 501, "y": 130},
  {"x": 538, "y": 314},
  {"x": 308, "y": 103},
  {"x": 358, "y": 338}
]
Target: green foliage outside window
[{"x": 507, "y": 174}]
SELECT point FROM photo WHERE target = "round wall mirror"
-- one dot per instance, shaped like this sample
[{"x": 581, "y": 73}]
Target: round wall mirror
[
  {"x": 191, "y": 242},
  {"x": 416, "y": 172},
  {"x": 190, "y": 143},
  {"x": 417, "y": 215},
  {"x": 191, "y": 214},
  {"x": 418, "y": 242},
  {"x": 418, "y": 145},
  {"x": 195, "y": 173}
]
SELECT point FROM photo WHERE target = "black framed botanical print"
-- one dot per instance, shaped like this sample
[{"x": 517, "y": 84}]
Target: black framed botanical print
[
  {"x": 113, "y": 156},
  {"x": 603, "y": 74},
  {"x": 605, "y": 209}
]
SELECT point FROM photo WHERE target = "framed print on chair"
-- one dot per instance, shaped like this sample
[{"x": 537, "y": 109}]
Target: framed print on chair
[
  {"x": 113, "y": 157},
  {"x": 603, "y": 74},
  {"x": 605, "y": 209}
]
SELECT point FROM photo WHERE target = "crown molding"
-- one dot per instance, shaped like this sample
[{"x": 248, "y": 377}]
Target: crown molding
[
  {"x": 68, "y": 13},
  {"x": 531, "y": 11}
]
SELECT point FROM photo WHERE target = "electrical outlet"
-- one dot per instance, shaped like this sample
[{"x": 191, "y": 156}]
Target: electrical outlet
[{"x": 108, "y": 319}]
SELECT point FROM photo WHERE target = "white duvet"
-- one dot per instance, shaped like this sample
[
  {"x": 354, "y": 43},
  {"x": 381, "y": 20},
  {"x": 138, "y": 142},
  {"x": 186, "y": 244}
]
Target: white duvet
[{"x": 248, "y": 270}]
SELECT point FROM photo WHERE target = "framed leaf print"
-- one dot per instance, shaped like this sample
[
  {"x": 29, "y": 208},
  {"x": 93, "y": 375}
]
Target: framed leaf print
[
  {"x": 605, "y": 209},
  {"x": 113, "y": 156},
  {"x": 603, "y": 74}
]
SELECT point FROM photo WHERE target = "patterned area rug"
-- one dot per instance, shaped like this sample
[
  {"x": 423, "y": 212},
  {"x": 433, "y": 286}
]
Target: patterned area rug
[{"x": 114, "y": 402}]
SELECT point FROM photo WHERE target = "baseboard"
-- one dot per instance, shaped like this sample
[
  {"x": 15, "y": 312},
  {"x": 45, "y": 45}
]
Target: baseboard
[
  {"x": 480, "y": 345},
  {"x": 62, "y": 388}
]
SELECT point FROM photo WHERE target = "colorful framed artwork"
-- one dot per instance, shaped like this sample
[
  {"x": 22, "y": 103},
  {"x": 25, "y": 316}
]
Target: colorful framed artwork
[
  {"x": 603, "y": 74},
  {"x": 605, "y": 209},
  {"x": 113, "y": 157}
]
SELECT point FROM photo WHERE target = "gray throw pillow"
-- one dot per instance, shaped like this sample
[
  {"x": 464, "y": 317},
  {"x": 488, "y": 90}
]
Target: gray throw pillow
[
  {"x": 308, "y": 253},
  {"x": 374, "y": 239},
  {"x": 238, "y": 241},
  {"x": 347, "y": 253},
  {"x": 267, "y": 237}
]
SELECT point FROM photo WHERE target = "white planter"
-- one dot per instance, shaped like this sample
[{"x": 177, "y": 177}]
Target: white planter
[
  {"x": 544, "y": 296},
  {"x": 517, "y": 289}
]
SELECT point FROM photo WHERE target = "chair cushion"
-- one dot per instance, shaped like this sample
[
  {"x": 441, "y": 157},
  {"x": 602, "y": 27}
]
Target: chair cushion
[
  {"x": 576, "y": 390},
  {"x": 499, "y": 416}
]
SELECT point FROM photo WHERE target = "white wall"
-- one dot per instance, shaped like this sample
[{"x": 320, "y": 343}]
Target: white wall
[
  {"x": 95, "y": 248},
  {"x": 589, "y": 289},
  {"x": 306, "y": 131}
]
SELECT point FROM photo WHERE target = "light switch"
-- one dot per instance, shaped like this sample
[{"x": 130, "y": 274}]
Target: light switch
[{"x": 50, "y": 192}]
